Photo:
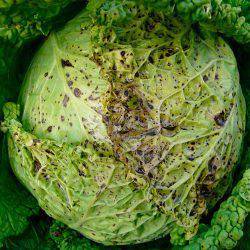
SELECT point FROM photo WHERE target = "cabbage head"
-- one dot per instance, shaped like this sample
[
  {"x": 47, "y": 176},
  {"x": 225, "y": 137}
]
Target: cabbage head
[{"x": 129, "y": 123}]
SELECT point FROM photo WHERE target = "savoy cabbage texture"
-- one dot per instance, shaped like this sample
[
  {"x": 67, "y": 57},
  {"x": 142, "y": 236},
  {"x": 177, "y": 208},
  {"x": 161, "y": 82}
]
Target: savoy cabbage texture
[
  {"x": 128, "y": 163},
  {"x": 230, "y": 17},
  {"x": 220, "y": 10},
  {"x": 227, "y": 223}
]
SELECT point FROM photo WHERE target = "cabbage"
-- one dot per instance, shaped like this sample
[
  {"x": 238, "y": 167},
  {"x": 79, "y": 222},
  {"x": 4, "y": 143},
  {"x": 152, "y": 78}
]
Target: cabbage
[{"x": 129, "y": 124}]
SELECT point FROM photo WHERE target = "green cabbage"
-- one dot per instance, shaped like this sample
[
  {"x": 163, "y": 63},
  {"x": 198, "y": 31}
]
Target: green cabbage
[{"x": 129, "y": 123}]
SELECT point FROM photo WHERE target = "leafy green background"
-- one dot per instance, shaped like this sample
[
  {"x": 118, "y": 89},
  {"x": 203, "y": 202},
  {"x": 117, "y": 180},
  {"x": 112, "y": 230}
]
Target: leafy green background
[{"x": 22, "y": 224}]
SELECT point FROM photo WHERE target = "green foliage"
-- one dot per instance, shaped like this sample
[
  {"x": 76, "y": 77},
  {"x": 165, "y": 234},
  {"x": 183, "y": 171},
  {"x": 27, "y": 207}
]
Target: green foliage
[
  {"x": 244, "y": 242},
  {"x": 35, "y": 236},
  {"x": 8, "y": 79},
  {"x": 16, "y": 204},
  {"x": 68, "y": 239}
]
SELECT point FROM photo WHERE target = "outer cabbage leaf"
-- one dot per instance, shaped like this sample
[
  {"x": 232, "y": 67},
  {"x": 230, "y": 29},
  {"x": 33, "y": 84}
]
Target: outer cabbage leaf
[
  {"x": 230, "y": 17},
  {"x": 23, "y": 20}
]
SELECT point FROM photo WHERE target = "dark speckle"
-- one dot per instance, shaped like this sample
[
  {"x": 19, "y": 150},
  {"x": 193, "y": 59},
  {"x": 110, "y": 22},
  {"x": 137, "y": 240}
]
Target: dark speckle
[
  {"x": 205, "y": 78},
  {"x": 139, "y": 152},
  {"x": 150, "y": 175},
  {"x": 46, "y": 74},
  {"x": 70, "y": 83},
  {"x": 137, "y": 74},
  {"x": 81, "y": 173},
  {"x": 151, "y": 60},
  {"x": 65, "y": 101},
  {"x": 205, "y": 192},
  {"x": 167, "y": 125},
  {"x": 37, "y": 165},
  {"x": 212, "y": 164},
  {"x": 77, "y": 92},
  {"x": 66, "y": 63},
  {"x": 49, "y": 129},
  {"x": 140, "y": 171},
  {"x": 150, "y": 106},
  {"x": 220, "y": 118},
  {"x": 152, "y": 132},
  {"x": 150, "y": 26},
  {"x": 36, "y": 141}
]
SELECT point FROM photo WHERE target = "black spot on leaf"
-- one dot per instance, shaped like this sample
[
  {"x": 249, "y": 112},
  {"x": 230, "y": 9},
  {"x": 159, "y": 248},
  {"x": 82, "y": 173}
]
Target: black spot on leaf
[
  {"x": 123, "y": 53},
  {"x": 65, "y": 101},
  {"x": 205, "y": 78},
  {"x": 37, "y": 165},
  {"x": 70, "y": 83},
  {"x": 220, "y": 118},
  {"x": 49, "y": 129},
  {"x": 66, "y": 63},
  {"x": 140, "y": 171},
  {"x": 77, "y": 92}
]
